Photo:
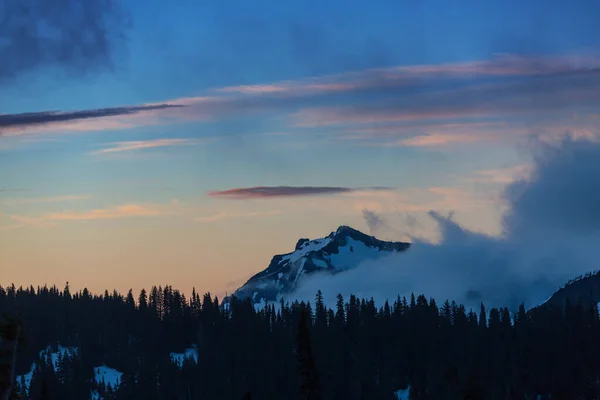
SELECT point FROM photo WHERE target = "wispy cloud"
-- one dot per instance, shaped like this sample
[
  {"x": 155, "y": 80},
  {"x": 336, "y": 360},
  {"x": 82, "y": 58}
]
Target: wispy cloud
[
  {"x": 502, "y": 86},
  {"x": 56, "y": 199},
  {"x": 502, "y": 65},
  {"x": 49, "y": 117},
  {"x": 501, "y": 175},
  {"x": 259, "y": 192},
  {"x": 439, "y": 139},
  {"x": 532, "y": 96},
  {"x": 145, "y": 144},
  {"x": 123, "y": 211},
  {"x": 235, "y": 215}
]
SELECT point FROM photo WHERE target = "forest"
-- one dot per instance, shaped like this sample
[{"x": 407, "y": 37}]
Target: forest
[{"x": 290, "y": 350}]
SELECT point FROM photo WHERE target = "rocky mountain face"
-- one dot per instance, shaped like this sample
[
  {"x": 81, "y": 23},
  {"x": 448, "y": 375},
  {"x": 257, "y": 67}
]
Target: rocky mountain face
[{"x": 341, "y": 250}]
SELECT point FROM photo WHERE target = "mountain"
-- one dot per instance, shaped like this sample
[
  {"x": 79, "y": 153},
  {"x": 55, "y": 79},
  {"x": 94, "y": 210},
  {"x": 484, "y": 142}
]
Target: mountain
[
  {"x": 341, "y": 250},
  {"x": 584, "y": 289}
]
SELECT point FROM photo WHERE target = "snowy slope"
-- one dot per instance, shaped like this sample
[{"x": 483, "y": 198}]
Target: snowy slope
[
  {"x": 51, "y": 356},
  {"x": 344, "y": 249},
  {"x": 402, "y": 394},
  {"x": 189, "y": 353},
  {"x": 110, "y": 376}
]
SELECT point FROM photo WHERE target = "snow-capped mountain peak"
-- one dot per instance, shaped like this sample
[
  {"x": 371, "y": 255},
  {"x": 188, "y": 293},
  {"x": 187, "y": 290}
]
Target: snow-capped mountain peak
[{"x": 341, "y": 250}]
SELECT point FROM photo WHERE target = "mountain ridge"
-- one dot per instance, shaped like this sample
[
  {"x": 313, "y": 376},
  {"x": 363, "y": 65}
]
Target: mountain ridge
[{"x": 341, "y": 250}]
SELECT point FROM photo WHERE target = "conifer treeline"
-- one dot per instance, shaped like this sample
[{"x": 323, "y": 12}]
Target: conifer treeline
[{"x": 360, "y": 351}]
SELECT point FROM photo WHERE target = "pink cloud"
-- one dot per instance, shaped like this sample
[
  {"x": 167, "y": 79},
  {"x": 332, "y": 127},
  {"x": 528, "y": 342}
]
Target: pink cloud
[
  {"x": 501, "y": 175},
  {"x": 145, "y": 144},
  {"x": 439, "y": 139},
  {"x": 49, "y": 199},
  {"x": 500, "y": 65},
  {"x": 124, "y": 211}
]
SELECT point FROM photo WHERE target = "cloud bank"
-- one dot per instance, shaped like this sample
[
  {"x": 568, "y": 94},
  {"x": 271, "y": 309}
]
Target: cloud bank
[
  {"x": 259, "y": 192},
  {"x": 551, "y": 234}
]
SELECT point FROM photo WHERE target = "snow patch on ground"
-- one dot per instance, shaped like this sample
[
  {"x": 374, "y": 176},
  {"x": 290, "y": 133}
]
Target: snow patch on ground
[
  {"x": 319, "y": 263},
  {"x": 94, "y": 395},
  {"x": 25, "y": 379},
  {"x": 402, "y": 394},
  {"x": 110, "y": 376},
  {"x": 189, "y": 353},
  {"x": 51, "y": 357}
]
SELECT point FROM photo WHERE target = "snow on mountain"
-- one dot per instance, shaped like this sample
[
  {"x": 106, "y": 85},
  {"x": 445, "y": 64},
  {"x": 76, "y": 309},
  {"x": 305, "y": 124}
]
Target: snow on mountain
[
  {"x": 341, "y": 250},
  {"x": 189, "y": 353}
]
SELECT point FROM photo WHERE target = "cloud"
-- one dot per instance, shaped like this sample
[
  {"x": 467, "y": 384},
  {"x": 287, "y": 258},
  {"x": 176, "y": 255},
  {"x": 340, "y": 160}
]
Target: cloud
[
  {"x": 282, "y": 191},
  {"x": 144, "y": 144},
  {"x": 123, "y": 211},
  {"x": 373, "y": 220},
  {"x": 438, "y": 139},
  {"x": 519, "y": 97},
  {"x": 501, "y": 175},
  {"x": 561, "y": 194},
  {"x": 56, "y": 199},
  {"x": 428, "y": 95},
  {"x": 235, "y": 215},
  {"x": 502, "y": 65},
  {"x": 73, "y": 35},
  {"x": 551, "y": 232},
  {"x": 10, "y": 122}
]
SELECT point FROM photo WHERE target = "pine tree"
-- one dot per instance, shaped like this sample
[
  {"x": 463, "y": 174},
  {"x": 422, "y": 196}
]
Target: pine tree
[
  {"x": 482, "y": 317},
  {"x": 247, "y": 396},
  {"x": 320, "y": 312},
  {"x": 143, "y": 300},
  {"x": 310, "y": 388},
  {"x": 10, "y": 336}
]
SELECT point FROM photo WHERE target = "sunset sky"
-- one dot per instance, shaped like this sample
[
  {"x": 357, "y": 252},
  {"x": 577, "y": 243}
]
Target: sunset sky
[{"x": 190, "y": 143}]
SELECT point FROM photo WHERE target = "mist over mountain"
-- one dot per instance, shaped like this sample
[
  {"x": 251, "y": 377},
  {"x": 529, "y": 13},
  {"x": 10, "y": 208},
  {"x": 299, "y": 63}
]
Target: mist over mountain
[{"x": 550, "y": 235}]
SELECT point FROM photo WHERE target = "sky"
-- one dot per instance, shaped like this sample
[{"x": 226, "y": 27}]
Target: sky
[{"x": 186, "y": 145}]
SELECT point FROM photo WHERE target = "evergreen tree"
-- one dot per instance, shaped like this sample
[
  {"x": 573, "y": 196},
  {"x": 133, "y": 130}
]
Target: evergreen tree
[
  {"x": 309, "y": 380},
  {"x": 482, "y": 317},
  {"x": 11, "y": 335}
]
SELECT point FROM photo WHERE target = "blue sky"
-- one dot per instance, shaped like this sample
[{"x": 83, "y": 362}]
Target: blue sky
[{"x": 433, "y": 101}]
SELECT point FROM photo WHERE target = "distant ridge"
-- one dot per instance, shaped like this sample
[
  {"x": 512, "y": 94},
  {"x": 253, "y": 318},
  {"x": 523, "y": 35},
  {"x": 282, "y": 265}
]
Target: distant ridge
[{"x": 584, "y": 289}]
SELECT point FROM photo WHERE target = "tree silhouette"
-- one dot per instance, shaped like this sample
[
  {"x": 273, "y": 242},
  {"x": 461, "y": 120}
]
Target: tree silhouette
[
  {"x": 10, "y": 337},
  {"x": 309, "y": 380}
]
